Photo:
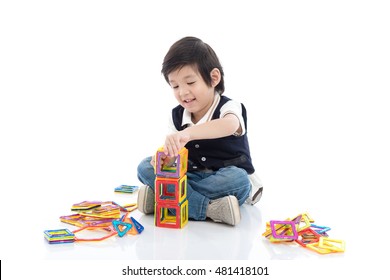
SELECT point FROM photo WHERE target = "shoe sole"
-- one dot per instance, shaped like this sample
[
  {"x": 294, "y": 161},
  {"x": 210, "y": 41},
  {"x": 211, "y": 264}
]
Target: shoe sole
[
  {"x": 233, "y": 202},
  {"x": 257, "y": 196},
  {"x": 143, "y": 192}
]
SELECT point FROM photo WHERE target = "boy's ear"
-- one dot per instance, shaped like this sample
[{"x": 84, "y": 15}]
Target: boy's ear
[{"x": 215, "y": 75}]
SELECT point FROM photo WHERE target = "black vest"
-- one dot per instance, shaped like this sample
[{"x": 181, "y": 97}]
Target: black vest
[{"x": 220, "y": 152}]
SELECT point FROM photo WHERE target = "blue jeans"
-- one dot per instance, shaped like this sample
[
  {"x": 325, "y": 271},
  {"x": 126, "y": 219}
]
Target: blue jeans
[{"x": 204, "y": 186}]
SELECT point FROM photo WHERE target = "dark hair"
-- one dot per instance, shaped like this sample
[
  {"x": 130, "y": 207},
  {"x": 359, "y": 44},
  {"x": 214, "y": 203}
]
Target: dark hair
[{"x": 193, "y": 51}]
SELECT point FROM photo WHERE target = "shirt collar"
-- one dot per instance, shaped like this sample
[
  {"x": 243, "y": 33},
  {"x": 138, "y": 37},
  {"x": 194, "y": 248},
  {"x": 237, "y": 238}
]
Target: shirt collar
[{"x": 207, "y": 117}]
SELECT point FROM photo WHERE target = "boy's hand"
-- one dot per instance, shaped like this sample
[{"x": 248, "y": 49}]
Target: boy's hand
[
  {"x": 175, "y": 142},
  {"x": 164, "y": 161}
]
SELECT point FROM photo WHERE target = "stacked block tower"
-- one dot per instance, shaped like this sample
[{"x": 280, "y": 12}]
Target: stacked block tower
[{"x": 171, "y": 207}]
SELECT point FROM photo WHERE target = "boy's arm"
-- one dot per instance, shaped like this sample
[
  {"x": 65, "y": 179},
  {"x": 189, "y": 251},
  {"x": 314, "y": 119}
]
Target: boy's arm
[{"x": 228, "y": 125}]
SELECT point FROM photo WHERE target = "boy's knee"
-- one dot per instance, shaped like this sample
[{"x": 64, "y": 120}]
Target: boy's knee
[
  {"x": 145, "y": 169},
  {"x": 241, "y": 175},
  {"x": 242, "y": 180}
]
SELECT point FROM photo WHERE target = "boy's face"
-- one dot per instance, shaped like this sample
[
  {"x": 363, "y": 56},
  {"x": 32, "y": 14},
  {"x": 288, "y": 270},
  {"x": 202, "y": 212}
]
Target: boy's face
[{"x": 191, "y": 91}]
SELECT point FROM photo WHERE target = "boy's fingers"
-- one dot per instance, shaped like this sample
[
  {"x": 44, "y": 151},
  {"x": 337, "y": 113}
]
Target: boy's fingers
[
  {"x": 170, "y": 144},
  {"x": 174, "y": 143}
]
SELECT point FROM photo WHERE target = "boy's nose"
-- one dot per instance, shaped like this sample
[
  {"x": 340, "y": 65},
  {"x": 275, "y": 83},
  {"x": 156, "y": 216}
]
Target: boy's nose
[{"x": 184, "y": 91}]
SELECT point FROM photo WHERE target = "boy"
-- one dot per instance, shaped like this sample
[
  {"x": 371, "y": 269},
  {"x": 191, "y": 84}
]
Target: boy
[{"x": 213, "y": 129}]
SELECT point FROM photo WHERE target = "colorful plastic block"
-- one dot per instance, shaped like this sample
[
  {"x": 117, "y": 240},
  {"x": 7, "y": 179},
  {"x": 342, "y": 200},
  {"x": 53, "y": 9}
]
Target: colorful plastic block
[
  {"x": 137, "y": 227},
  {"x": 290, "y": 231},
  {"x": 171, "y": 190},
  {"x": 121, "y": 227},
  {"x": 178, "y": 170},
  {"x": 303, "y": 223},
  {"x": 315, "y": 247},
  {"x": 85, "y": 205},
  {"x": 332, "y": 244},
  {"x": 110, "y": 230},
  {"x": 171, "y": 215},
  {"x": 59, "y": 236},
  {"x": 126, "y": 189},
  {"x": 307, "y": 236},
  {"x": 320, "y": 229},
  {"x": 268, "y": 232}
]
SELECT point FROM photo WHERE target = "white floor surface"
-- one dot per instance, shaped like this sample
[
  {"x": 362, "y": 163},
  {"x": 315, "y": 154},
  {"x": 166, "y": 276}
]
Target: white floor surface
[{"x": 196, "y": 241}]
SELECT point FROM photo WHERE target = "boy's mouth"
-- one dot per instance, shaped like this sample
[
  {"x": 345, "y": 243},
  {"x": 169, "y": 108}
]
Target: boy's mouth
[{"x": 188, "y": 100}]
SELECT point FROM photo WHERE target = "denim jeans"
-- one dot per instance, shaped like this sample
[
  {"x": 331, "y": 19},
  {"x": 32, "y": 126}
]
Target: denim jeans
[{"x": 204, "y": 186}]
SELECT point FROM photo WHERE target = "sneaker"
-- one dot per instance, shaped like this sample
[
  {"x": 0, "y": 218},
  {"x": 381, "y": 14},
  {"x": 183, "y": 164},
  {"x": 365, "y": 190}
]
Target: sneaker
[
  {"x": 255, "y": 195},
  {"x": 256, "y": 189},
  {"x": 224, "y": 210},
  {"x": 146, "y": 200}
]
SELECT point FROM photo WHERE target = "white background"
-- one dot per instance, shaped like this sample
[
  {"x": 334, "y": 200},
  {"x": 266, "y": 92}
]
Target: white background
[{"x": 83, "y": 101}]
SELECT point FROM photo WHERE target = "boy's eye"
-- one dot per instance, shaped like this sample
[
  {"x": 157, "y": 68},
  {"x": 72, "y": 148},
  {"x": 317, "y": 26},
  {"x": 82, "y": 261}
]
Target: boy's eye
[
  {"x": 175, "y": 87},
  {"x": 191, "y": 83}
]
